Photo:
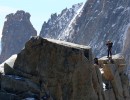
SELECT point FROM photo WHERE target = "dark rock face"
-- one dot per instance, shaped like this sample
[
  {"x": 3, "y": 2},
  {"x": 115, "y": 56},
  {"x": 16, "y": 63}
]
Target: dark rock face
[
  {"x": 59, "y": 66},
  {"x": 49, "y": 67},
  {"x": 16, "y": 32},
  {"x": 58, "y": 23},
  {"x": 101, "y": 20}
]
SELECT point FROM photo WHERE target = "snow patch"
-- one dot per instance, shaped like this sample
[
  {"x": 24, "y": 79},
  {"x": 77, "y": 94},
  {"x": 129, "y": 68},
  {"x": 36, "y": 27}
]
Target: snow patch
[
  {"x": 113, "y": 25},
  {"x": 66, "y": 34},
  {"x": 9, "y": 61},
  {"x": 127, "y": 9},
  {"x": 117, "y": 56},
  {"x": 104, "y": 86},
  {"x": 69, "y": 44},
  {"x": 98, "y": 1},
  {"x": 101, "y": 70},
  {"x": 118, "y": 8},
  {"x": 96, "y": 11},
  {"x": 121, "y": 7}
]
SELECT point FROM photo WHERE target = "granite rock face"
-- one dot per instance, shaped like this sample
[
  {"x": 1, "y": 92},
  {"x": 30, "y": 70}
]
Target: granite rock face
[
  {"x": 58, "y": 23},
  {"x": 60, "y": 66},
  {"x": 101, "y": 20},
  {"x": 114, "y": 78},
  {"x": 58, "y": 70},
  {"x": 16, "y": 32}
]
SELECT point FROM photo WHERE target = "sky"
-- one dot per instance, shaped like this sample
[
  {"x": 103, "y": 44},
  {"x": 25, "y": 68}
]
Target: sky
[{"x": 40, "y": 10}]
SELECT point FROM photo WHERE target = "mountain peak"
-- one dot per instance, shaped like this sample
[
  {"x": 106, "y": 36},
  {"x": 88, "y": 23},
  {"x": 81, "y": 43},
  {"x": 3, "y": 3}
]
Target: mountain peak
[
  {"x": 16, "y": 31},
  {"x": 18, "y": 16},
  {"x": 58, "y": 23}
]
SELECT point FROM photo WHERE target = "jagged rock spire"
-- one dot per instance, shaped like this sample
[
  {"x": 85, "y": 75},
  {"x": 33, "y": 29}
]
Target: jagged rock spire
[{"x": 16, "y": 32}]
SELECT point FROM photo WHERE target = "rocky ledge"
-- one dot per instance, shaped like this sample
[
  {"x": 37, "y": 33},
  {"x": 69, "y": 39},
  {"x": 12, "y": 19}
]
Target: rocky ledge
[
  {"x": 114, "y": 78},
  {"x": 49, "y": 69}
]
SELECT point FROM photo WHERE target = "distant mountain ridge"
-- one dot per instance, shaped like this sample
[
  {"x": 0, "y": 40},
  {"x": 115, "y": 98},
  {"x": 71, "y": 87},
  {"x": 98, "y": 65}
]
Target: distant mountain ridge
[
  {"x": 99, "y": 21},
  {"x": 92, "y": 24},
  {"x": 57, "y": 24}
]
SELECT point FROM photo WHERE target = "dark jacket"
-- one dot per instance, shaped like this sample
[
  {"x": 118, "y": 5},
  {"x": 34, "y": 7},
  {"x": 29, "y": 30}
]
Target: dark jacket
[{"x": 109, "y": 44}]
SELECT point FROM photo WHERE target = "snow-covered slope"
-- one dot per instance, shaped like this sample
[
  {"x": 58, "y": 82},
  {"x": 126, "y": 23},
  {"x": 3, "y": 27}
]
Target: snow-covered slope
[
  {"x": 99, "y": 21},
  {"x": 93, "y": 24},
  {"x": 57, "y": 24},
  {"x": 65, "y": 34}
]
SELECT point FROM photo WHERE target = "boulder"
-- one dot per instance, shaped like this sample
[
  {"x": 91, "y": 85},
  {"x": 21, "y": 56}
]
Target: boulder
[
  {"x": 64, "y": 68},
  {"x": 16, "y": 84}
]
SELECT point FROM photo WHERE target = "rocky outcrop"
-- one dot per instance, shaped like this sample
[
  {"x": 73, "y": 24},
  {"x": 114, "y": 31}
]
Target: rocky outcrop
[
  {"x": 58, "y": 23},
  {"x": 114, "y": 78},
  {"x": 56, "y": 70},
  {"x": 16, "y": 32}
]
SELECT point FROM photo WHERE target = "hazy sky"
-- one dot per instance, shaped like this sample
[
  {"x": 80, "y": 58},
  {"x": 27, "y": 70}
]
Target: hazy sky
[{"x": 40, "y": 10}]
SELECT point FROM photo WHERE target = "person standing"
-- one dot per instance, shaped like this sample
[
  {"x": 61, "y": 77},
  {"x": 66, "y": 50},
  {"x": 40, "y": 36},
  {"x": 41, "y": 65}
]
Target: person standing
[{"x": 109, "y": 50}]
